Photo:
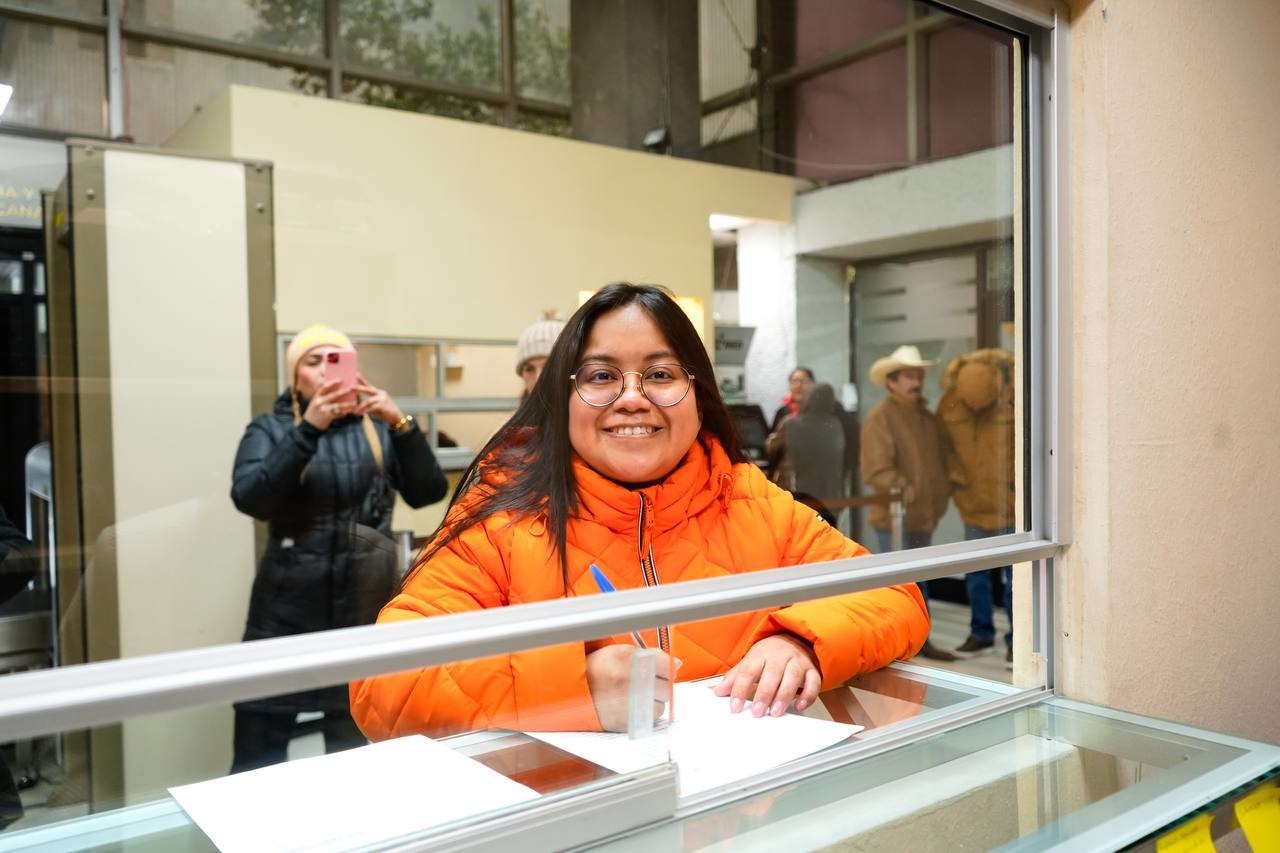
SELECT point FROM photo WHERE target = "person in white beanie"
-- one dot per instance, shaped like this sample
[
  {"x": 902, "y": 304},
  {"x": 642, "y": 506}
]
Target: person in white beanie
[{"x": 532, "y": 349}]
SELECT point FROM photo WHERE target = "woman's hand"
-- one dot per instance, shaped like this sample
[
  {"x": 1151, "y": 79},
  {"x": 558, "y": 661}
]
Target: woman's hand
[
  {"x": 331, "y": 402},
  {"x": 773, "y": 672},
  {"x": 609, "y": 677},
  {"x": 376, "y": 402}
]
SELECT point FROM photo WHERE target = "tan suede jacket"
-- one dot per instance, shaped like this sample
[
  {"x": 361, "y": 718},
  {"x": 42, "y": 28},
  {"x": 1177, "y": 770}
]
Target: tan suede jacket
[{"x": 904, "y": 445}]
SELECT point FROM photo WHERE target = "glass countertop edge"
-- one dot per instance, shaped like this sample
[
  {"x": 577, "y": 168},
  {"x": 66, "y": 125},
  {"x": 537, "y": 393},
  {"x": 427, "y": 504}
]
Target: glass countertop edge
[
  {"x": 122, "y": 823},
  {"x": 1134, "y": 824},
  {"x": 1159, "y": 724},
  {"x": 125, "y": 824},
  {"x": 966, "y": 683}
]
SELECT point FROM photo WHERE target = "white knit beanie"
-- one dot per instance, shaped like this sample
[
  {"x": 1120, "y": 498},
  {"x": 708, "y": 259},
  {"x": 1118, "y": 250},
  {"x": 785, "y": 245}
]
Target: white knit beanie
[{"x": 536, "y": 341}]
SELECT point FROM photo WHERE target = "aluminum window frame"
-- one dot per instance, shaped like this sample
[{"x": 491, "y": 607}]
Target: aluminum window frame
[
  {"x": 75, "y": 698},
  {"x": 912, "y": 34}
]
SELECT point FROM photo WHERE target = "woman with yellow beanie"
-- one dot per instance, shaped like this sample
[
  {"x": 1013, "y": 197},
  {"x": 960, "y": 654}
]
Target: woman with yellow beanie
[{"x": 322, "y": 470}]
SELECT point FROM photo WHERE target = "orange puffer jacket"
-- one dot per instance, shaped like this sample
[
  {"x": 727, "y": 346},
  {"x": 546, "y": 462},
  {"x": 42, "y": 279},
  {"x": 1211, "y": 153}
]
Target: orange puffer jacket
[{"x": 708, "y": 518}]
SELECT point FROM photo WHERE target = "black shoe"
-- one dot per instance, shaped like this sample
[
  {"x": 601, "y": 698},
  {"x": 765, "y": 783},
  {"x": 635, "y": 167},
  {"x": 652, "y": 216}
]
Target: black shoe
[
  {"x": 1008, "y": 658},
  {"x": 932, "y": 652},
  {"x": 973, "y": 644}
]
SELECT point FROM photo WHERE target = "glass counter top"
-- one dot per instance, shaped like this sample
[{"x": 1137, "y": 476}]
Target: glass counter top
[
  {"x": 1054, "y": 775},
  {"x": 1051, "y": 773},
  {"x": 880, "y": 701}
]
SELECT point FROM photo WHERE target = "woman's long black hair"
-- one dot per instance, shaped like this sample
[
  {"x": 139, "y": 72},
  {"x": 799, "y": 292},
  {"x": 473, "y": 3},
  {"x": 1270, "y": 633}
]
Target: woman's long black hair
[{"x": 532, "y": 449}]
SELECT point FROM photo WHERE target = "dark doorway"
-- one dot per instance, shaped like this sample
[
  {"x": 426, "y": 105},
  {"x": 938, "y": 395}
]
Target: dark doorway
[{"x": 24, "y": 418}]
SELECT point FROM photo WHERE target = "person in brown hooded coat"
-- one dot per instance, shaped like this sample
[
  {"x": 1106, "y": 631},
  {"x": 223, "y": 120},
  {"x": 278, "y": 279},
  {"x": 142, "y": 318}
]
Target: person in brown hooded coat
[{"x": 977, "y": 409}]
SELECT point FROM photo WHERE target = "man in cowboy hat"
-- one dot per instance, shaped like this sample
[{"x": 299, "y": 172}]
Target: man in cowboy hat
[{"x": 905, "y": 446}]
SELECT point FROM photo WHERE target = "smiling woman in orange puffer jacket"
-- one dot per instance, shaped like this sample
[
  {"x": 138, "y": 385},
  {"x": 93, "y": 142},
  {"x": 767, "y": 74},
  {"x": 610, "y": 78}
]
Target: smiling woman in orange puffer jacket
[{"x": 624, "y": 456}]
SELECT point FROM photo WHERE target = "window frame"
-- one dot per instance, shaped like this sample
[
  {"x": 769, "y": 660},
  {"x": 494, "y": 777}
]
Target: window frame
[{"x": 75, "y": 698}]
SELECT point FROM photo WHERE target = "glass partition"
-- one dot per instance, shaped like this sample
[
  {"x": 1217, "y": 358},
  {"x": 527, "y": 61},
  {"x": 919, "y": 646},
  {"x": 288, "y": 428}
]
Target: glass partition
[
  {"x": 164, "y": 450},
  {"x": 182, "y": 487}
]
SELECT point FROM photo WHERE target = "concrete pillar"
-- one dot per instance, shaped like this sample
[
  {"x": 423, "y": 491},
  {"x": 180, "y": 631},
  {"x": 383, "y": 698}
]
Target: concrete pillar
[
  {"x": 634, "y": 68},
  {"x": 767, "y": 302}
]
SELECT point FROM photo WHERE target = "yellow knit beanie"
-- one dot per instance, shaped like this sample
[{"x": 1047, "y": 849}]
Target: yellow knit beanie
[{"x": 307, "y": 340}]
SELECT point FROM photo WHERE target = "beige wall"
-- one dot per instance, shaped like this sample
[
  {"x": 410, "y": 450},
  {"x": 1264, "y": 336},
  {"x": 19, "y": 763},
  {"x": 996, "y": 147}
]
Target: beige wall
[
  {"x": 393, "y": 223},
  {"x": 1169, "y": 594}
]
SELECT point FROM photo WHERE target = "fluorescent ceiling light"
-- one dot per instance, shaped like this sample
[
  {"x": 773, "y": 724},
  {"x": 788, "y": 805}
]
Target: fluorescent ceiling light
[
  {"x": 6, "y": 92},
  {"x": 724, "y": 222}
]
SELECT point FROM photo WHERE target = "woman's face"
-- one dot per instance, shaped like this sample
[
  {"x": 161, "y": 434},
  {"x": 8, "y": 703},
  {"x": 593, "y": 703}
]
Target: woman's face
[
  {"x": 311, "y": 370},
  {"x": 799, "y": 385},
  {"x": 631, "y": 440}
]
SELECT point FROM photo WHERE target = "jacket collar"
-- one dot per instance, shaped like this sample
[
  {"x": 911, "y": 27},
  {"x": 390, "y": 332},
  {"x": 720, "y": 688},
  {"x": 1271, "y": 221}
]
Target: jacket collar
[{"x": 703, "y": 476}]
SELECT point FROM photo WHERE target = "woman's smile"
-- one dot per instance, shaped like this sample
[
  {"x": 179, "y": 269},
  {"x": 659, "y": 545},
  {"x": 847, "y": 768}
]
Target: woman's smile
[{"x": 633, "y": 431}]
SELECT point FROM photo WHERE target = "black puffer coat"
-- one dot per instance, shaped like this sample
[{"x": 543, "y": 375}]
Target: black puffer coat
[{"x": 319, "y": 525}]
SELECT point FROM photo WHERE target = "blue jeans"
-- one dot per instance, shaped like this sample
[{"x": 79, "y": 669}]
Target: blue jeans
[
  {"x": 978, "y": 587},
  {"x": 910, "y": 539}
]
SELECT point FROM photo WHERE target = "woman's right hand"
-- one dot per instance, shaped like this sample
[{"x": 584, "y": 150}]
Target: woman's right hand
[
  {"x": 331, "y": 402},
  {"x": 609, "y": 677}
]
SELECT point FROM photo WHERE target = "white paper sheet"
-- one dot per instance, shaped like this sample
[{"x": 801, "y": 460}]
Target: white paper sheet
[
  {"x": 335, "y": 802},
  {"x": 710, "y": 746}
]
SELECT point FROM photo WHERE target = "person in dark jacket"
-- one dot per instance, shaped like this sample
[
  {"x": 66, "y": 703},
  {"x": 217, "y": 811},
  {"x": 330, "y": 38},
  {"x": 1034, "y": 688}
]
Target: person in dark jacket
[
  {"x": 17, "y": 568},
  {"x": 17, "y": 562},
  {"x": 777, "y": 466},
  {"x": 322, "y": 470},
  {"x": 814, "y": 441}
]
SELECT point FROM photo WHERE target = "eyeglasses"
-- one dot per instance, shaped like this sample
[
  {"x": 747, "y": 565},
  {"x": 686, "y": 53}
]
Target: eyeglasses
[{"x": 600, "y": 385}]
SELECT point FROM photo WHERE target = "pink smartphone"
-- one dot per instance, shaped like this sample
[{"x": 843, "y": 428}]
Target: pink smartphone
[{"x": 341, "y": 364}]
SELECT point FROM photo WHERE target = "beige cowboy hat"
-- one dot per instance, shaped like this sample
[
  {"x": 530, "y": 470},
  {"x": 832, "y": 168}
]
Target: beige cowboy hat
[{"x": 903, "y": 356}]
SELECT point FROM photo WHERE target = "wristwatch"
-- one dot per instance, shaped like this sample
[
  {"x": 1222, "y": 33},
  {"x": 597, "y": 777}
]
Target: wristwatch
[{"x": 402, "y": 425}]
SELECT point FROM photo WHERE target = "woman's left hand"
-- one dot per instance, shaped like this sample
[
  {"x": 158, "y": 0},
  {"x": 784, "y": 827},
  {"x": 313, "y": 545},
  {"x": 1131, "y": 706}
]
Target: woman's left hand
[
  {"x": 773, "y": 672},
  {"x": 376, "y": 402}
]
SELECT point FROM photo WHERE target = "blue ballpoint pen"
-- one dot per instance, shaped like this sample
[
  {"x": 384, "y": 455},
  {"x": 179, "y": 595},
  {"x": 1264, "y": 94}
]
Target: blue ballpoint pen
[{"x": 607, "y": 586}]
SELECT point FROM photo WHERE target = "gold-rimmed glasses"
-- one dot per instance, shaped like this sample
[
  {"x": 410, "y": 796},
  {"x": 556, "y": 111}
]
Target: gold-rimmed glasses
[{"x": 601, "y": 384}]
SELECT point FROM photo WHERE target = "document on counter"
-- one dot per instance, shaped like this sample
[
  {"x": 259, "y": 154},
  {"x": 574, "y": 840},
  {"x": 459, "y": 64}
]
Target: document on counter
[
  {"x": 709, "y": 745},
  {"x": 346, "y": 799}
]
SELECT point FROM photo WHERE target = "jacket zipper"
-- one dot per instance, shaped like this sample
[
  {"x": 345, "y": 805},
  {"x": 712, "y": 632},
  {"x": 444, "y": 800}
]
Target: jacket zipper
[{"x": 650, "y": 571}]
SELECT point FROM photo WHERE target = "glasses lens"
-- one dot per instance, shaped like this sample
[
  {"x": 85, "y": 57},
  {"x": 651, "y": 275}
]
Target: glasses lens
[
  {"x": 666, "y": 384},
  {"x": 598, "y": 384}
]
